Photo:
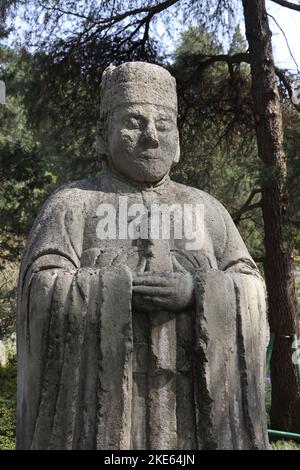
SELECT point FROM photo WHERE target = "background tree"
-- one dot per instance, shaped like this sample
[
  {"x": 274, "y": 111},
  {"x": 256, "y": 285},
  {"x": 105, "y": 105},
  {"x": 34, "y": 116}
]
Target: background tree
[{"x": 285, "y": 409}]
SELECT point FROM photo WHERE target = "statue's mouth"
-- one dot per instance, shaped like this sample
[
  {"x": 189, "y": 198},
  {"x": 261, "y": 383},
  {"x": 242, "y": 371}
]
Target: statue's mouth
[{"x": 149, "y": 156}]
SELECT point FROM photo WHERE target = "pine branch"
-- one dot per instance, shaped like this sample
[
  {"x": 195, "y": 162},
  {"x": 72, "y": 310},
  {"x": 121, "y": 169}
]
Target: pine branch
[
  {"x": 206, "y": 61},
  {"x": 112, "y": 20},
  {"x": 247, "y": 207},
  {"x": 285, "y": 81},
  {"x": 285, "y": 3}
]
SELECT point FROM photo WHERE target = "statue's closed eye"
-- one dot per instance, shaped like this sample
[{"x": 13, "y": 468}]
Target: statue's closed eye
[
  {"x": 133, "y": 123},
  {"x": 164, "y": 125}
]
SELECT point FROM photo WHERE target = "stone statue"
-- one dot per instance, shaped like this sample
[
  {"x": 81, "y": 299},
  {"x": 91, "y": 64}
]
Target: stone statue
[{"x": 137, "y": 331}]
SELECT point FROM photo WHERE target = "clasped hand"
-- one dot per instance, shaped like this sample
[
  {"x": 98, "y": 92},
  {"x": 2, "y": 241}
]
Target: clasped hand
[{"x": 171, "y": 291}]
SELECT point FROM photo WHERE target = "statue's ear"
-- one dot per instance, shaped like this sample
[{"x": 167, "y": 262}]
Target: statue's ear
[{"x": 101, "y": 143}]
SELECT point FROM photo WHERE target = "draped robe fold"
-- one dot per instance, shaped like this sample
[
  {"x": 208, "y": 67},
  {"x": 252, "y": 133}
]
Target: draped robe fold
[{"x": 83, "y": 354}]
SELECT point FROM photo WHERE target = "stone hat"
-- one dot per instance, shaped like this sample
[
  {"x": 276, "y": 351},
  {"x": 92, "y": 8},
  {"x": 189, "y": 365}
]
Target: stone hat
[{"x": 137, "y": 82}]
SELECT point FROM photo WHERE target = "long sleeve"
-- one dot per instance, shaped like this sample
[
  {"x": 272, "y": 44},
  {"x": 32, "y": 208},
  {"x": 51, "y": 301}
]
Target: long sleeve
[
  {"x": 231, "y": 332},
  {"x": 74, "y": 328}
]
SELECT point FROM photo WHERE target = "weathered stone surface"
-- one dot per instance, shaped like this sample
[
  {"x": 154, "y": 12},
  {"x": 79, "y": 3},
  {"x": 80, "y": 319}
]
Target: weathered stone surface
[{"x": 138, "y": 343}]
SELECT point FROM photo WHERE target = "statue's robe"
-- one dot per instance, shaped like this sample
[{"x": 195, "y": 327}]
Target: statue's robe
[{"x": 83, "y": 355}]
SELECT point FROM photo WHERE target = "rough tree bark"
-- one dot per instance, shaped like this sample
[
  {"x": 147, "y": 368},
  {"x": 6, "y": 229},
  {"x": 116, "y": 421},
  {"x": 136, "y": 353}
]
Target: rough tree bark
[{"x": 285, "y": 409}]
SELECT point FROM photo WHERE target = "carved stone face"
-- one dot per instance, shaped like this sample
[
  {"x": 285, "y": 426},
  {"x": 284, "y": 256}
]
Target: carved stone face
[{"x": 143, "y": 141}]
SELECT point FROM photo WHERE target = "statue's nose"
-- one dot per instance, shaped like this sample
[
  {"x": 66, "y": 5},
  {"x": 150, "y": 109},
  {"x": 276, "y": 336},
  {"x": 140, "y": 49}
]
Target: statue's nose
[{"x": 149, "y": 137}]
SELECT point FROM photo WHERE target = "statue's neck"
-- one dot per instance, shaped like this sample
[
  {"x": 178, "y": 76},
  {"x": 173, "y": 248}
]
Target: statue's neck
[{"x": 109, "y": 168}]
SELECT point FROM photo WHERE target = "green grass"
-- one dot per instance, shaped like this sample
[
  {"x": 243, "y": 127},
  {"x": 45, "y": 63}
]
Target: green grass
[
  {"x": 8, "y": 408},
  {"x": 284, "y": 445}
]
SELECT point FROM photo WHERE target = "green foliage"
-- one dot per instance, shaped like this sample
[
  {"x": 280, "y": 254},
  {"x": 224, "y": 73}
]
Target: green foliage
[
  {"x": 7, "y": 408},
  {"x": 196, "y": 41},
  {"x": 62, "y": 103},
  {"x": 238, "y": 42},
  {"x": 284, "y": 445},
  {"x": 292, "y": 149},
  {"x": 10, "y": 345},
  {"x": 8, "y": 294},
  {"x": 25, "y": 174}
]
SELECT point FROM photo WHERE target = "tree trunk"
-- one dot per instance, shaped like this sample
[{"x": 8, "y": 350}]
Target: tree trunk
[{"x": 285, "y": 409}]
